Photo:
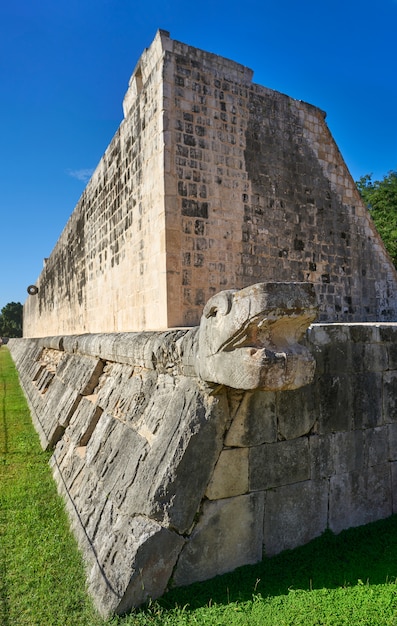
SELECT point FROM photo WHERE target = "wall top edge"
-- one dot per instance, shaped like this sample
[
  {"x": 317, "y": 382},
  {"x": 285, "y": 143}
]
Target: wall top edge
[
  {"x": 98, "y": 341},
  {"x": 184, "y": 329},
  {"x": 163, "y": 43}
]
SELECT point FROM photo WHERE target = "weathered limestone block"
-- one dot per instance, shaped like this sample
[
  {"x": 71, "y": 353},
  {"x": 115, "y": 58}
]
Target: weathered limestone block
[
  {"x": 150, "y": 349},
  {"x": 128, "y": 559},
  {"x": 392, "y": 441},
  {"x": 394, "y": 486},
  {"x": 328, "y": 335},
  {"x": 84, "y": 421},
  {"x": 358, "y": 498},
  {"x": 336, "y": 453},
  {"x": 125, "y": 391},
  {"x": 376, "y": 446},
  {"x": 365, "y": 334},
  {"x": 135, "y": 563},
  {"x": 368, "y": 356},
  {"x": 60, "y": 403},
  {"x": 230, "y": 477},
  {"x": 26, "y": 354},
  {"x": 54, "y": 383},
  {"x": 255, "y": 421},
  {"x": 297, "y": 411},
  {"x": 81, "y": 372},
  {"x": 163, "y": 474},
  {"x": 44, "y": 380},
  {"x": 36, "y": 370},
  {"x": 392, "y": 355},
  {"x": 294, "y": 514},
  {"x": 389, "y": 389},
  {"x": 228, "y": 534},
  {"x": 336, "y": 392},
  {"x": 281, "y": 463},
  {"x": 367, "y": 399},
  {"x": 176, "y": 462}
]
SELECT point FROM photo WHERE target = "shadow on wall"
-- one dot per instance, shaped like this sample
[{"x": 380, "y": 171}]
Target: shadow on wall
[{"x": 367, "y": 553}]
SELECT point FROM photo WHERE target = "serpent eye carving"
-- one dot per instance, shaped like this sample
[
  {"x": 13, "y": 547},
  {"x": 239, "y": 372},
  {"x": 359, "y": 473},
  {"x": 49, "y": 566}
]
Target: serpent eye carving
[{"x": 220, "y": 304}]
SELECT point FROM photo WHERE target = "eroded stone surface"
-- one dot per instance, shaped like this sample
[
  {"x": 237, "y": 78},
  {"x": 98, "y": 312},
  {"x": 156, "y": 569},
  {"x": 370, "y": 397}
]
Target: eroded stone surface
[
  {"x": 294, "y": 514},
  {"x": 228, "y": 534},
  {"x": 255, "y": 421},
  {"x": 134, "y": 563},
  {"x": 360, "y": 497},
  {"x": 230, "y": 477}
]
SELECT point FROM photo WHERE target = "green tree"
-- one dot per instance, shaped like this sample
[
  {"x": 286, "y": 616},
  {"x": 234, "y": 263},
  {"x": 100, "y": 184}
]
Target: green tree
[
  {"x": 11, "y": 320},
  {"x": 381, "y": 198}
]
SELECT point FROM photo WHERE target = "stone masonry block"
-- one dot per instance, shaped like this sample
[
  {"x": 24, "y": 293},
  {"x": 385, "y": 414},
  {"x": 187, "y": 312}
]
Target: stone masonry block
[
  {"x": 80, "y": 372},
  {"x": 121, "y": 582},
  {"x": 35, "y": 371},
  {"x": 182, "y": 457},
  {"x": 230, "y": 477},
  {"x": 44, "y": 380},
  {"x": 367, "y": 399},
  {"x": 321, "y": 457},
  {"x": 393, "y": 467},
  {"x": 228, "y": 534},
  {"x": 277, "y": 464},
  {"x": 336, "y": 453},
  {"x": 296, "y": 411},
  {"x": 359, "y": 498},
  {"x": 335, "y": 403},
  {"x": 123, "y": 394},
  {"x": 114, "y": 454},
  {"x": 392, "y": 356},
  {"x": 392, "y": 439},
  {"x": 294, "y": 515},
  {"x": 333, "y": 358},
  {"x": 173, "y": 447},
  {"x": 364, "y": 334},
  {"x": 61, "y": 402},
  {"x": 84, "y": 421},
  {"x": 388, "y": 333},
  {"x": 371, "y": 357},
  {"x": 255, "y": 420},
  {"x": 390, "y": 397},
  {"x": 376, "y": 445},
  {"x": 327, "y": 334}
]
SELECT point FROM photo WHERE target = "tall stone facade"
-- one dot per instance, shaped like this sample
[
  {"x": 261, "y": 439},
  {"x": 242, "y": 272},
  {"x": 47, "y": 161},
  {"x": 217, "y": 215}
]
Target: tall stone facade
[{"x": 211, "y": 182}]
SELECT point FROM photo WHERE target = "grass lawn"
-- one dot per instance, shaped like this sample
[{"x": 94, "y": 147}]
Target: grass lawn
[{"x": 348, "y": 579}]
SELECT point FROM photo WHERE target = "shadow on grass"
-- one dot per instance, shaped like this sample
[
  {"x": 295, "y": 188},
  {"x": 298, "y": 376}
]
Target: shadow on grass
[{"x": 368, "y": 554}]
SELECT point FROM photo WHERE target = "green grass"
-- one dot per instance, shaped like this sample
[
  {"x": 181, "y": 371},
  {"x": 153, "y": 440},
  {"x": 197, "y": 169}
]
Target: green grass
[
  {"x": 349, "y": 579},
  {"x": 42, "y": 578}
]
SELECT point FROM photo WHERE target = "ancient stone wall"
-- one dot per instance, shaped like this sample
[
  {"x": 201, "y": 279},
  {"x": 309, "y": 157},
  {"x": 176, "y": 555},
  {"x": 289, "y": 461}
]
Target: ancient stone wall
[
  {"x": 108, "y": 269},
  {"x": 170, "y": 479},
  {"x": 211, "y": 182}
]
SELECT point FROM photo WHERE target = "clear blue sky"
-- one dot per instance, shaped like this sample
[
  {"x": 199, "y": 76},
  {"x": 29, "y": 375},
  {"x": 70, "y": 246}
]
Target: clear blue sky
[{"x": 65, "y": 66}]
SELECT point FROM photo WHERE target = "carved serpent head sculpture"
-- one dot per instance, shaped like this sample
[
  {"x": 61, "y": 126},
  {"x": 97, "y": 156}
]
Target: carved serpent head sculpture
[{"x": 248, "y": 339}]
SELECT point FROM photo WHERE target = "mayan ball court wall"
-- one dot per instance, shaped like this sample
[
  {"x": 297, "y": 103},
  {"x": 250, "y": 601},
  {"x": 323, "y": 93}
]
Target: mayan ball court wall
[
  {"x": 210, "y": 349},
  {"x": 211, "y": 182}
]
